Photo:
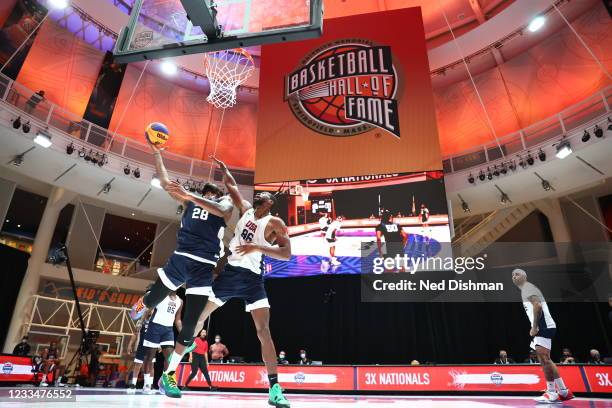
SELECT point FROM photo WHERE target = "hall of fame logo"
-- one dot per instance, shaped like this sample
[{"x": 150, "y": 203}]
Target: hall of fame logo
[
  {"x": 345, "y": 88},
  {"x": 299, "y": 378}
]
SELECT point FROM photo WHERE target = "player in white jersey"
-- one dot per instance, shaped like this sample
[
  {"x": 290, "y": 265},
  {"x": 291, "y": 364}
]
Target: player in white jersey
[
  {"x": 424, "y": 217},
  {"x": 257, "y": 233},
  {"x": 543, "y": 330},
  {"x": 324, "y": 222},
  {"x": 330, "y": 236},
  {"x": 160, "y": 332}
]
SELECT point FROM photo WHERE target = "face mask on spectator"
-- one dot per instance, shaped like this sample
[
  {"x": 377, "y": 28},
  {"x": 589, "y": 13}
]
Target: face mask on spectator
[
  {"x": 303, "y": 355},
  {"x": 217, "y": 339},
  {"x": 282, "y": 356}
]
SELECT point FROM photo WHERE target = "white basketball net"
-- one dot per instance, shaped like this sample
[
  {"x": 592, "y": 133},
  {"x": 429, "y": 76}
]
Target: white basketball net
[{"x": 226, "y": 70}]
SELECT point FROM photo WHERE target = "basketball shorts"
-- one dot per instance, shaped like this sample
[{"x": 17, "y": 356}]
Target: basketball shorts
[
  {"x": 241, "y": 283},
  {"x": 392, "y": 249},
  {"x": 331, "y": 242},
  {"x": 543, "y": 339},
  {"x": 141, "y": 353},
  {"x": 158, "y": 335},
  {"x": 195, "y": 275}
]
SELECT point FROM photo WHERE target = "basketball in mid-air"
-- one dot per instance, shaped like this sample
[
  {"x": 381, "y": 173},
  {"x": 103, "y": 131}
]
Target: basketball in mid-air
[{"x": 157, "y": 134}]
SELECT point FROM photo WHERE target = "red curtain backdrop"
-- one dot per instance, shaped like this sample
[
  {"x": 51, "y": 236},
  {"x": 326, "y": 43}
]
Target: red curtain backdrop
[
  {"x": 546, "y": 79},
  {"x": 63, "y": 66},
  {"x": 188, "y": 117}
]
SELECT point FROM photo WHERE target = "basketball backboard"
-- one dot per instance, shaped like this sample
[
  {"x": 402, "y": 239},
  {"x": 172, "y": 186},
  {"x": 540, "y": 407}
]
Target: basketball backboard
[{"x": 168, "y": 28}]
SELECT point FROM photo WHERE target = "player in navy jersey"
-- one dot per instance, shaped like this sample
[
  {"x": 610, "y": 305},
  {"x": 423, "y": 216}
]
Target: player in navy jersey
[
  {"x": 199, "y": 247},
  {"x": 395, "y": 237},
  {"x": 137, "y": 347}
]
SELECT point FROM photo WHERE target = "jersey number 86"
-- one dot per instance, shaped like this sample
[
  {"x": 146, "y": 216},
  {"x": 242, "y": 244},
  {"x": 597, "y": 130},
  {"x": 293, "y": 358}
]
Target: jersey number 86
[{"x": 247, "y": 235}]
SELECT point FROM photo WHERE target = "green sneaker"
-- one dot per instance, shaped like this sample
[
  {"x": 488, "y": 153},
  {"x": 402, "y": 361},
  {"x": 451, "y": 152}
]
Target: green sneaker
[
  {"x": 190, "y": 348},
  {"x": 167, "y": 384},
  {"x": 277, "y": 399}
]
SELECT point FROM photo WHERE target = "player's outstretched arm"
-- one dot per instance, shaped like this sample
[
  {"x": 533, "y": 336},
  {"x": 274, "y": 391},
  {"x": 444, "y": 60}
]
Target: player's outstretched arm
[
  {"x": 160, "y": 168},
  {"x": 232, "y": 187},
  {"x": 221, "y": 208},
  {"x": 162, "y": 173}
]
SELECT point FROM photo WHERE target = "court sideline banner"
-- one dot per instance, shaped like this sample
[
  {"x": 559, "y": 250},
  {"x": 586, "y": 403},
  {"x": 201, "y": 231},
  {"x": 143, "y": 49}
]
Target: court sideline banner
[
  {"x": 488, "y": 378},
  {"x": 356, "y": 101}
]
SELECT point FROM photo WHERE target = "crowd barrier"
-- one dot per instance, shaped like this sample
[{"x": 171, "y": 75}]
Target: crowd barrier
[{"x": 455, "y": 378}]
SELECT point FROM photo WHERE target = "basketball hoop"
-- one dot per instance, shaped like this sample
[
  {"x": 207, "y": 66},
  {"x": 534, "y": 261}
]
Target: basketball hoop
[{"x": 226, "y": 70}]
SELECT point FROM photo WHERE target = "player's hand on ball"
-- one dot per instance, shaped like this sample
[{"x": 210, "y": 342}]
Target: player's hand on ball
[
  {"x": 534, "y": 331},
  {"x": 155, "y": 147},
  {"x": 246, "y": 249}
]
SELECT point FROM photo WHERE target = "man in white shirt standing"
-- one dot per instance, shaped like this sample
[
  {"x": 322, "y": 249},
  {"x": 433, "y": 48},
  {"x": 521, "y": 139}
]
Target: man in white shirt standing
[{"x": 543, "y": 330}]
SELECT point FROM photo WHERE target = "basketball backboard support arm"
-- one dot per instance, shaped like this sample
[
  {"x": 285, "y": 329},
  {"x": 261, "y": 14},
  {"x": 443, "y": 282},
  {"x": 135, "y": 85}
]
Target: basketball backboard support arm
[
  {"x": 203, "y": 14},
  {"x": 154, "y": 37}
]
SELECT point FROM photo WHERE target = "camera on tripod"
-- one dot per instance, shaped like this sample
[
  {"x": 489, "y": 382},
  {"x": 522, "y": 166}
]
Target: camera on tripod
[{"x": 89, "y": 341}]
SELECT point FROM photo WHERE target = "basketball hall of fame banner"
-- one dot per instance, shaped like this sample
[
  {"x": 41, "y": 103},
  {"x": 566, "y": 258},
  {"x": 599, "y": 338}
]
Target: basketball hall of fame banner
[{"x": 356, "y": 101}]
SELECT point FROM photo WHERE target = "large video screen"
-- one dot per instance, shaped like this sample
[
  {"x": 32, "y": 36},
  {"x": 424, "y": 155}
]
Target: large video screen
[{"x": 331, "y": 220}]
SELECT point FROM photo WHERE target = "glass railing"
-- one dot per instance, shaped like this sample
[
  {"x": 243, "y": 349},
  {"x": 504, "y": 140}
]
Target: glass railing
[
  {"x": 136, "y": 152},
  {"x": 568, "y": 120},
  {"x": 133, "y": 152}
]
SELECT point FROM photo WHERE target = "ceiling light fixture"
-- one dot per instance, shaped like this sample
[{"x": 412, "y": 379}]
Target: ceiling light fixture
[
  {"x": 155, "y": 182},
  {"x": 536, "y": 23},
  {"x": 564, "y": 149},
  {"x": 42, "y": 139},
  {"x": 169, "y": 68},
  {"x": 598, "y": 131},
  {"x": 586, "y": 136}
]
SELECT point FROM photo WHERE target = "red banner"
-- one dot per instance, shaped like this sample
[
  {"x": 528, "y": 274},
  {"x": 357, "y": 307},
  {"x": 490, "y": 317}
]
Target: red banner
[
  {"x": 16, "y": 369},
  {"x": 599, "y": 378},
  {"x": 291, "y": 377},
  {"x": 462, "y": 378},
  {"x": 494, "y": 378}
]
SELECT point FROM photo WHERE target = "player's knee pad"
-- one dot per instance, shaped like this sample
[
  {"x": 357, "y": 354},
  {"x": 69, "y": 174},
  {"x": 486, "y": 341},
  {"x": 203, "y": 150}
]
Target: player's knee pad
[
  {"x": 156, "y": 294},
  {"x": 194, "y": 305}
]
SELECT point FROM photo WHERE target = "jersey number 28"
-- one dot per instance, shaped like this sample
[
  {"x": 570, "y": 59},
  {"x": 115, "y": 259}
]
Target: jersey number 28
[{"x": 200, "y": 213}]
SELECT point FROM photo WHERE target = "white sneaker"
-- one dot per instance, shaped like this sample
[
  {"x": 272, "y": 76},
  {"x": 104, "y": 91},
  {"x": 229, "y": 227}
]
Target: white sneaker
[
  {"x": 549, "y": 397},
  {"x": 335, "y": 262},
  {"x": 131, "y": 389},
  {"x": 148, "y": 390},
  {"x": 44, "y": 384}
]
